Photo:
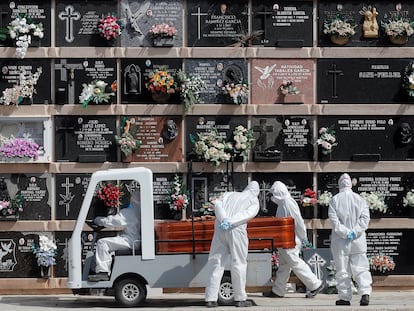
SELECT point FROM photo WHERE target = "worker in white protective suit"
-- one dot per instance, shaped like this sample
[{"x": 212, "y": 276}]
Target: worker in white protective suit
[
  {"x": 230, "y": 243},
  {"x": 289, "y": 259},
  {"x": 129, "y": 219},
  {"x": 349, "y": 215}
]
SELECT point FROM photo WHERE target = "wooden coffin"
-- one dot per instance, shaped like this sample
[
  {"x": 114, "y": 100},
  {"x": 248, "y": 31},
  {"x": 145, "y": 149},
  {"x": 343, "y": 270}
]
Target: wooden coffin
[{"x": 177, "y": 237}]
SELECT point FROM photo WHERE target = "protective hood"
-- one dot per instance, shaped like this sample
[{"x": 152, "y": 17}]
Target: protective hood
[
  {"x": 344, "y": 181},
  {"x": 279, "y": 191},
  {"x": 253, "y": 188}
]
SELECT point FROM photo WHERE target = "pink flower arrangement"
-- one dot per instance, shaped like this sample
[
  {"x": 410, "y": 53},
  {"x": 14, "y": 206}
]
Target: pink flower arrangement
[
  {"x": 309, "y": 197},
  {"x": 327, "y": 139},
  {"x": 381, "y": 263},
  {"x": 162, "y": 30},
  {"x": 109, "y": 27},
  {"x": 19, "y": 148}
]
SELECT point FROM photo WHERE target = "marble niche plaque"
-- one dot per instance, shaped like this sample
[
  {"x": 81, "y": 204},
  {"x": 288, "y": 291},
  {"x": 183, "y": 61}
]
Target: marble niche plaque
[
  {"x": 216, "y": 23},
  {"x": 206, "y": 187},
  {"x": 135, "y": 74},
  {"x": 394, "y": 186},
  {"x": 224, "y": 125},
  {"x": 37, "y": 11},
  {"x": 356, "y": 10},
  {"x": 85, "y": 139},
  {"x": 160, "y": 136},
  {"x": 268, "y": 75},
  {"x": 370, "y": 138},
  {"x": 70, "y": 192},
  {"x": 71, "y": 74},
  {"x": 284, "y": 24},
  {"x": 77, "y": 22},
  {"x": 162, "y": 186},
  {"x": 29, "y": 131},
  {"x": 295, "y": 182},
  {"x": 282, "y": 137},
  {"x": 139, "y": 16},
  {"x": 10, "y": 76},
  {"x": 361, "y": 81},
  {"x": 216, "y": 73}
]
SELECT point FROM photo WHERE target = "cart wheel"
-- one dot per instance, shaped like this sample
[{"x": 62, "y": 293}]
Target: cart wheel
[
  {"x": 130, "y": 292},
  {"x": 226, "y": 292}
]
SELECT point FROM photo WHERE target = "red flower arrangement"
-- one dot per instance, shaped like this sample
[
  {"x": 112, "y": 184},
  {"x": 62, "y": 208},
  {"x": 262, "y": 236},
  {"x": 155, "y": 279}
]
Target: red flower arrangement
[
  {"x": 309, "y": 197},
  {"x": 178, "y": 197},
  {"x": 109, "y": 27},
  {"x": 110, "y": 194}
]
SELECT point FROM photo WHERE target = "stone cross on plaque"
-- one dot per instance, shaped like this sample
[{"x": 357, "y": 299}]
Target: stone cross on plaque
[
  {"x": 199, "y": 14},
  {"x": 334, "y": 71},
  {"x": 68, "y": 196},
  {"x": 69, "y": 15},
  {"x": 262, "y": 129},
  {"x": 64, "y": 67},
  {"x": 317, "y": 262}
]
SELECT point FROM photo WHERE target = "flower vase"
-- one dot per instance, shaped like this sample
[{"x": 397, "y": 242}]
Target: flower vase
[
  {"x": 375, "y": 214},
  {"x": 293, "y": 99},
  {"x": 126, "y": 158},
  {"x": 411, "y": 211},
  {"x": 323, "y": 211},
  {"x": 163, "y": 41},
  {"x": 339, "y": 40},
  {"x": 324, "y": 157},
  {"x": 160, "y": 97},
  {"x": 45, "y": 272},
  {"x": 398, "y": 40},
  {"x": 307, "y": 211}
]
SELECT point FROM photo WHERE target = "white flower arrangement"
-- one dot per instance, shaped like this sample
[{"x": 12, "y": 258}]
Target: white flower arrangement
[
  {"x": 408, "y": 79},
  {"x": 398, "y": 26},
  {"x": 22, "y": 29},
  {"x": 327, "y": 140},
  {"x": 190, "y": 89},
  {"x": 325, "y": 198},
  {"x": 96, "y": 92},
  {"x": 45, "y": 252},
  {"x": 243, "y": 139},
  {"x": 375, "y": 201},
  {"x": 408, "y": 200},
  {"x": 178, "y": 196},
  {"x": 339, "y": 26},
  {"x": 25, "y": 88}
]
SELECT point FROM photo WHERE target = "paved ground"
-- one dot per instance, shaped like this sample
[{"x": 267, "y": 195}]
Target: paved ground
[{"x": 384, "y": 300}]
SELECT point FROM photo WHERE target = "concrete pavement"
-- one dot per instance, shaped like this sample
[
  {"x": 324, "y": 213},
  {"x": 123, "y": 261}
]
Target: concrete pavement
[{"x": 380, "y": 301}]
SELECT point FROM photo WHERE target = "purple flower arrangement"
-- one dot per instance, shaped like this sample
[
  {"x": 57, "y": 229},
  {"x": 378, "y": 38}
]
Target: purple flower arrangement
[{"x": 19, "y": 148}]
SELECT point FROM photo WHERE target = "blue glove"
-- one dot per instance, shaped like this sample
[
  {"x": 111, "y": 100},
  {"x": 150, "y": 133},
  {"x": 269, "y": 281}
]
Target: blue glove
[
  {"x": 351, "y": 235},
  {"x": 225, "y": 225}
]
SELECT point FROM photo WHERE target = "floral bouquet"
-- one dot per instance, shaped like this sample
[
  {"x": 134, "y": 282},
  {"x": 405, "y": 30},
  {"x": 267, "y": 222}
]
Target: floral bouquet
[
  {"x": 309, "y": 197},
  {"x": 162, "y": 30},
  {"x": 95, "y": 92},
  {"x": 22, "y": 29},
  {"x": 12, "y": 207},
  {"x": 110, "y": 194},
  {"x": 287, "y": 88},
  {"x": 211, "y": 147},
  {"x": 327, "y": 139},
  {"x": 339, "y": 26},
  {"x": 161, "y": 81},
  {"x": 110, "y": 27},
  {"x": 25, "y": 88},
  {"x": 381, "y": 263},
  {"x": 127, "y": 143},
  {"x": 375, "y": 201},
  {"x": 275, "y": 260},
  {"x": 190, "y": 89},
  {"x": 239, "y": 92},
  {"x": 325, "y": 198},
  {"x": 243, "y": 139},
  {"x": 19, "y": 147},
  {"x": 398, "y": 26},
  {"x": 408, "y": 200},
  {"x": 45, "y": 252},
  {"x": 178, "y": 196},
  {"x": 408, "y": 79}
]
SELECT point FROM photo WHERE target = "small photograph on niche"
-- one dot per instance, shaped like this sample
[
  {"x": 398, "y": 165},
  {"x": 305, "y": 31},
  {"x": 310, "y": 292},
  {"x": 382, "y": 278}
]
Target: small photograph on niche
[
  {"x": 25, "y": 24},
  {"x": 287, "y": 24},
  {"x": 87, "y": 23},
  {"x": 154, "y": 139},
  {"x": 86, "y": 81},
  {"x": 225, "y": 80},
  {"x": 152, "y": 23},
  {"x": 150, "y": 81},
  {"x": 277, "y": 81},
  {"x": 282, "y": 137},
  {"x": 25, "y": 82},
  {"x": 25, "y": 139},
  {"x": 85, "y": 139},
  {"x": 217, "y": 23}
]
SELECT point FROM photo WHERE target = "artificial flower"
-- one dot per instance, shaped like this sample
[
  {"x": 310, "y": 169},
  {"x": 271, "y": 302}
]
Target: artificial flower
[
  {"x": 375, "y": 201},
  {"x": 408, "y": 200},
  {"x": 15, "y": 147},
  {"x": 178, "y": 196},
  {"x": 325, "y": 198},
  {"x": 190, "y": 89},
  {"x": 327, "y": 139},
  {"x": 45, "y": 252},
  {"x": 109, "y": 27},
  {"x": 408, "y": 79},
  {"x": 95, "y": 92},
  {"x": 239, "y": 92},
  {"x": 162, "y": 30},
  {"x": 110, "y": 194},
  {"x": 162, "y": 81},
  {"x": 12, "y": 207},
  {"x": 309, "y": 197},
  {"x": 381, "y": 263},
  {"x": 340, "y": 26},
  {"x": 398, "y": 26},
  {"x": 287, "y": 88}
]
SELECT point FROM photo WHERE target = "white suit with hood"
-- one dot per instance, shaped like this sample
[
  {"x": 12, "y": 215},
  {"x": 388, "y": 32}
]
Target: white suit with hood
[
  {"x": 348, "y": 211},
  {"x": 289, "y": 259},
  {"x": 238, "y": 208},
  {"x": 129, "y": 220}
]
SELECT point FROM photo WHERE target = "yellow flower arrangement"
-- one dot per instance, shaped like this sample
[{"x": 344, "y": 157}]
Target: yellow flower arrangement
[{"x": 161, "y": 81}]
